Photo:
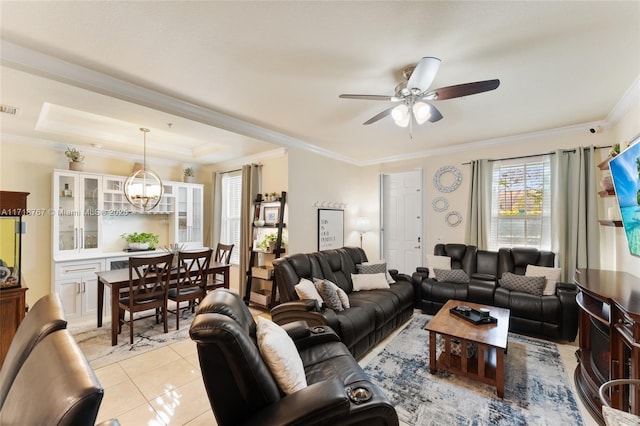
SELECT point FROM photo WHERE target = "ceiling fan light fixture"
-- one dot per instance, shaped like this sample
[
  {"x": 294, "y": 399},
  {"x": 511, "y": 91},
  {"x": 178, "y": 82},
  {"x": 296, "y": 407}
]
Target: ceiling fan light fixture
[
  {"x": 400, "y": 115},
  {"x": 422, "y": 112}
]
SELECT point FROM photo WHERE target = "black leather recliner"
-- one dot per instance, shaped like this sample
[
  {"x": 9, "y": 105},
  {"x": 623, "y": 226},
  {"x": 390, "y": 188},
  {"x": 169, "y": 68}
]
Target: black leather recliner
[
  {"x": 241, "y": 389},
  {"x": 373, "y": 314},
  {"x": 553, "y": 316}
]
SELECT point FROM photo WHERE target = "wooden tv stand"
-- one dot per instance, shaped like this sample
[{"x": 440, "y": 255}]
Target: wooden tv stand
[{"x": 609, "y": 337}]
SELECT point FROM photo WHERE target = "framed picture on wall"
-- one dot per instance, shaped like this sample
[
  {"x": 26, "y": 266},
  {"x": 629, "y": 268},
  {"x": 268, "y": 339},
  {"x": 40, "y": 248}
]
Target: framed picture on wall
[
  {"x": 271, "y": 214},
  {"x": 330, "y": 229}
]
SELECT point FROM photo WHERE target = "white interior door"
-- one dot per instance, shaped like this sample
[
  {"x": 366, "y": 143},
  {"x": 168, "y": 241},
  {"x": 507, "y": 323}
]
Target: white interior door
[{"x": 402, "y": 224}]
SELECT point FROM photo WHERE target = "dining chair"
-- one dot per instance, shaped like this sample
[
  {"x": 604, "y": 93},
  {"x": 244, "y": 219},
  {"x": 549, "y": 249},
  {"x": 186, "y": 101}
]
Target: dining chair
[
  {"x": 222, "y": 255},
  {"x": 191, "y": 285},
  {"x": 148, "y": 289}
]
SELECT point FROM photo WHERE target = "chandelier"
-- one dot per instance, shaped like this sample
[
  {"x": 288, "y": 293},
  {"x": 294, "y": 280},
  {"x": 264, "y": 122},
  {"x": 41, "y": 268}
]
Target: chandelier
[{"x": 143, "y": 188}]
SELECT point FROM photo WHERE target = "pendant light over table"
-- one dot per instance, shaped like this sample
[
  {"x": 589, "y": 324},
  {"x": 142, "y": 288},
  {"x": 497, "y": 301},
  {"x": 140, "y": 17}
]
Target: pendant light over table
[{"x": 143, "y": 188}]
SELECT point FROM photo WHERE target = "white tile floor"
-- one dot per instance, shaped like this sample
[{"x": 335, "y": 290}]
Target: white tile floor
[{"x": 142, "y": 391}]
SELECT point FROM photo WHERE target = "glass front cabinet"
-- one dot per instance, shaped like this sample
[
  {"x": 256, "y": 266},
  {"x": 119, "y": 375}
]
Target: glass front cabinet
[
  {"x": 77, "y": 206},
  {"x": 187, "y": 222}
]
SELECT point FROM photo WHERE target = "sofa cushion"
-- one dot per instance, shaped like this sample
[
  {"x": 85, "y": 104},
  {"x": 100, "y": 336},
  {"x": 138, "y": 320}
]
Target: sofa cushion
[
  {"x": 363, "y": 282},
  {"x": 531, "y": 285},
  {"x": 552, "y": 276},
  {"x": 334, "y": 360},
  {"x": 344, "y": 298},
  {"x": 305, "y": 289},
  {"x": 281, "y": 356},
  {"x": 439, "y": 262},
  {"x": 451, "y": 275},
  {"x": 375, "y": 267},
  {"x": 329, "y": 294}
]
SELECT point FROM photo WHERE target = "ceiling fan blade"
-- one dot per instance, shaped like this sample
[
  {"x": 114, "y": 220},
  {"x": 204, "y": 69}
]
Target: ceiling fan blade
[
  {"x": 424, "y": 73},
  {"x": 460, "y": 90},
  {"x": 369, "y": 97},
  {"x": 379, "y": 116}
]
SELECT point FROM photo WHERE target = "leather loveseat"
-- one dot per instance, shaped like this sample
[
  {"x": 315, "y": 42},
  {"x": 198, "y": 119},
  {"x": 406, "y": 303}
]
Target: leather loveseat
[
  {"x": 372, "y": 315},
  {"x": 552, "y": 316},
  {"x": 242, "y": 390}
]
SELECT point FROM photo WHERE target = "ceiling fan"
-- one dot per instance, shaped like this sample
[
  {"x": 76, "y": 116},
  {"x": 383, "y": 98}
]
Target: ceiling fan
[{"x": 415, "y": 97}]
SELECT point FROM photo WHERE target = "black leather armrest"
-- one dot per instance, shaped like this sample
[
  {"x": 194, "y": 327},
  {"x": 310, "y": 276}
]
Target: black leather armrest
[
  {"x": 318, "y": 335},
  {"x": 423, "y": 270},
  {"x": 297, "y": 329},
  {"x": 567, "y": 287},
  {"x": 315, "y": 404},
  {"x": 304, "y": 310},
  {"x": 567, "y": 292}
]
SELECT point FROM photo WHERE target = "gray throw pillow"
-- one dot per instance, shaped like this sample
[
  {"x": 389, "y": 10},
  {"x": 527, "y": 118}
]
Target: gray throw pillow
[
  {"x": 531, "y": 285},
  {"x": 452, "y": 276},
  {"x": 329, "y": 294},
  {"x": 372, "y": 268}
]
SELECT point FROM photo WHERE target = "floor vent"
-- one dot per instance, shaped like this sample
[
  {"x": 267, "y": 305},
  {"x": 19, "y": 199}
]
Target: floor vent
[{"x": 7, "y": 109}]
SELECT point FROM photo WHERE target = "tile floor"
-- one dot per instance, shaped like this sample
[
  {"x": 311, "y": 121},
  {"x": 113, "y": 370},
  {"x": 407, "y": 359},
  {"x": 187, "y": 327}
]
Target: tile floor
[{"x": 142, "y": 391}]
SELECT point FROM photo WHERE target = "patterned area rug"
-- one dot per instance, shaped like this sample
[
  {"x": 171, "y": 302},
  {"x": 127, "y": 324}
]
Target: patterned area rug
[
  {"x": 95, "y": 343},
  {"x": 537, "y": 389}
]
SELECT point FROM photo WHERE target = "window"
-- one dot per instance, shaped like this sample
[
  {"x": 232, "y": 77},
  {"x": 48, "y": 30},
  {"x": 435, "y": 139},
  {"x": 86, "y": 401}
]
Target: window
[
  {"x": 230, "y": 217},
  {"x": 520, "y": 204}
]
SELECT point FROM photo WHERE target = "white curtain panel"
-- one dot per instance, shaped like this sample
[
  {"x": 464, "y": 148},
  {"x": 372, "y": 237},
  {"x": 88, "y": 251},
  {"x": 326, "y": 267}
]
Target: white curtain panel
[
  {"x": 251, "y": 187},
  {"x": 479, "y": 210},
  {"x": 216, "y": 208},
  {"x": 574, "y": 217}
]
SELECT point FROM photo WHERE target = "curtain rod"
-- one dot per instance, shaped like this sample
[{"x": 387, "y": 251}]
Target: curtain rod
[{"x": 537, "y": 155}]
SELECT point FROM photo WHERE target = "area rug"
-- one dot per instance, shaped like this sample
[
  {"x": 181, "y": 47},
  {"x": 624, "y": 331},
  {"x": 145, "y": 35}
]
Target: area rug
[
  {"x": 537, "y": 389},
  {"x": 95, "y": 343}
]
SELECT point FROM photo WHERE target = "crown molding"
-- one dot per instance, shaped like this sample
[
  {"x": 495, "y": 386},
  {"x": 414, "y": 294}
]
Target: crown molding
[{"x": 34, "y": 62}]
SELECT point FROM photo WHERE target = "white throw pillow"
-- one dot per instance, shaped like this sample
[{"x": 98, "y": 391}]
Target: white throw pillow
[
  {"x": 551, "y": 274},
  {"x": 369, "y": 281},
  {"x": 437, "y": 262},
  {"x": 377, "y": 262},
  {"x": 281, "y": 356},
  {"x": 305, "y": 289}
]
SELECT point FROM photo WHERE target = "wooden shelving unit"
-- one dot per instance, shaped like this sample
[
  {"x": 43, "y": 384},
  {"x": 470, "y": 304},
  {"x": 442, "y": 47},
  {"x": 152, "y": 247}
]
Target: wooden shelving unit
[{"x": 255, "y": 271}]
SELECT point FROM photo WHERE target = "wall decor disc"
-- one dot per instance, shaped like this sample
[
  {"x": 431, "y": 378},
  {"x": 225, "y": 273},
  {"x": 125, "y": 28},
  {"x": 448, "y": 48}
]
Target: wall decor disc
[
  {"x": 457, "y": 178},
  {"x": 440, "y": 204},
  {"x": 453, "y": 218}
]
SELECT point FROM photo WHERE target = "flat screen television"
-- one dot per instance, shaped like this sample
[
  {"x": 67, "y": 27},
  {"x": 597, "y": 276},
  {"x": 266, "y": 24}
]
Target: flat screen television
[{"x": 625, "y": 173}]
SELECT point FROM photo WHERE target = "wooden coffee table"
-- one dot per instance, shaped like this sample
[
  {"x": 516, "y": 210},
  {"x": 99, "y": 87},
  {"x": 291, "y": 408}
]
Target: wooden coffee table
[{"x": 487, "y": 365}]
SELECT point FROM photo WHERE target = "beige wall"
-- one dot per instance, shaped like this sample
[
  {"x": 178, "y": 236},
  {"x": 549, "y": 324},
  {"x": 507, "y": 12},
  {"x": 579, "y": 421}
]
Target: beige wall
[{"x": 26, "y": 167}]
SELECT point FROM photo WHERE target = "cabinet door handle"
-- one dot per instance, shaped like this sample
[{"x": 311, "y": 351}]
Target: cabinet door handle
[
  {"x": 84, "y": 287},
  {"x": 77, "y": 288}
]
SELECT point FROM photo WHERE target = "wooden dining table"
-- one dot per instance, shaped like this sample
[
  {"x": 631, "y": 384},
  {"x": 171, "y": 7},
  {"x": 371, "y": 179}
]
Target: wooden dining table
[{"x": 118, "y": 280}]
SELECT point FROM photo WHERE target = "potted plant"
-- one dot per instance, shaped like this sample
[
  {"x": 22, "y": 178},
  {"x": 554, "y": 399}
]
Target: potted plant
[
  {"x": 141, "y": 241},
  {"x": 75, "y": 158},
  {"x": 268, "y": 243},
  {"x": 615, "y": 150},
  {"x": 188, "y": 174}
]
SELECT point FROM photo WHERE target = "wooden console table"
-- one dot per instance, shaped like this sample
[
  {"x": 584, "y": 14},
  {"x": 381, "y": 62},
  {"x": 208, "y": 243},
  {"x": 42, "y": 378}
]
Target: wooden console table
[{"x": 609, "y": 337}]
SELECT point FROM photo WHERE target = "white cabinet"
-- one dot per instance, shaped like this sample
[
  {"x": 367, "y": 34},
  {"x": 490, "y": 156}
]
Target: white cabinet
[
  {"x": 77, "y": 209},
  {"x": 77, "y": 284},
  {"x": 115, "y": 200},
  {"x": 187, "y": 223}
]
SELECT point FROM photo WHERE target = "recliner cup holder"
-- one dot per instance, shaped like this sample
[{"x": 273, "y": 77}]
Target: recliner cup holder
[
  {"x": 317, "y": 330},
  {"x": 359, "y": 394}
]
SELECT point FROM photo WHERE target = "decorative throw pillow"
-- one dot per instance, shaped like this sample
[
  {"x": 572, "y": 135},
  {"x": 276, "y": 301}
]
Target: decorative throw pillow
[
  {"x": 344, "y": 299},
  {"x": 551, "y": 274},
  {"x": 440, "y": 262},
  {"x": 281, "y": 356},
  {"x": 329, "y": 294},
  {"x": 531, "y": 285},
  {"x": 375, "y": 267},
  {"x": 305, "y": 289},
  {"x": 452, "y": 276},
  {"x": 369, "y": 281}
]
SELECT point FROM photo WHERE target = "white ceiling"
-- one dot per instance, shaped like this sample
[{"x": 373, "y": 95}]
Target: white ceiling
[{"x": 239, "y": 78}]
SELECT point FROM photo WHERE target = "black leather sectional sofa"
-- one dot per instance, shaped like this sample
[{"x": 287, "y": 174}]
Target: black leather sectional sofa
[
  {"x": 554, "y": 316},
  {"x": 373, "y": 314}
]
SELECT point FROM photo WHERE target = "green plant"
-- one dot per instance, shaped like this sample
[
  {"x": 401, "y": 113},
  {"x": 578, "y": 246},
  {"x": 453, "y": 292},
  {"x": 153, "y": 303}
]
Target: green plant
[
  {"x": 74, "y": 155},
  {"x": 615, "y": 150},
  {"x": 142, "y": 237},
  {"x": 268, "y": 238},
  {"x": 189, "y": 172}
]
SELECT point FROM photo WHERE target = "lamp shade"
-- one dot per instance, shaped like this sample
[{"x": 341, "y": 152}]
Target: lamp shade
[
  {"x": 363, "y": 224},
  {"x": 400, "y": 115},
  {"x": 421, "y": 111}
]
